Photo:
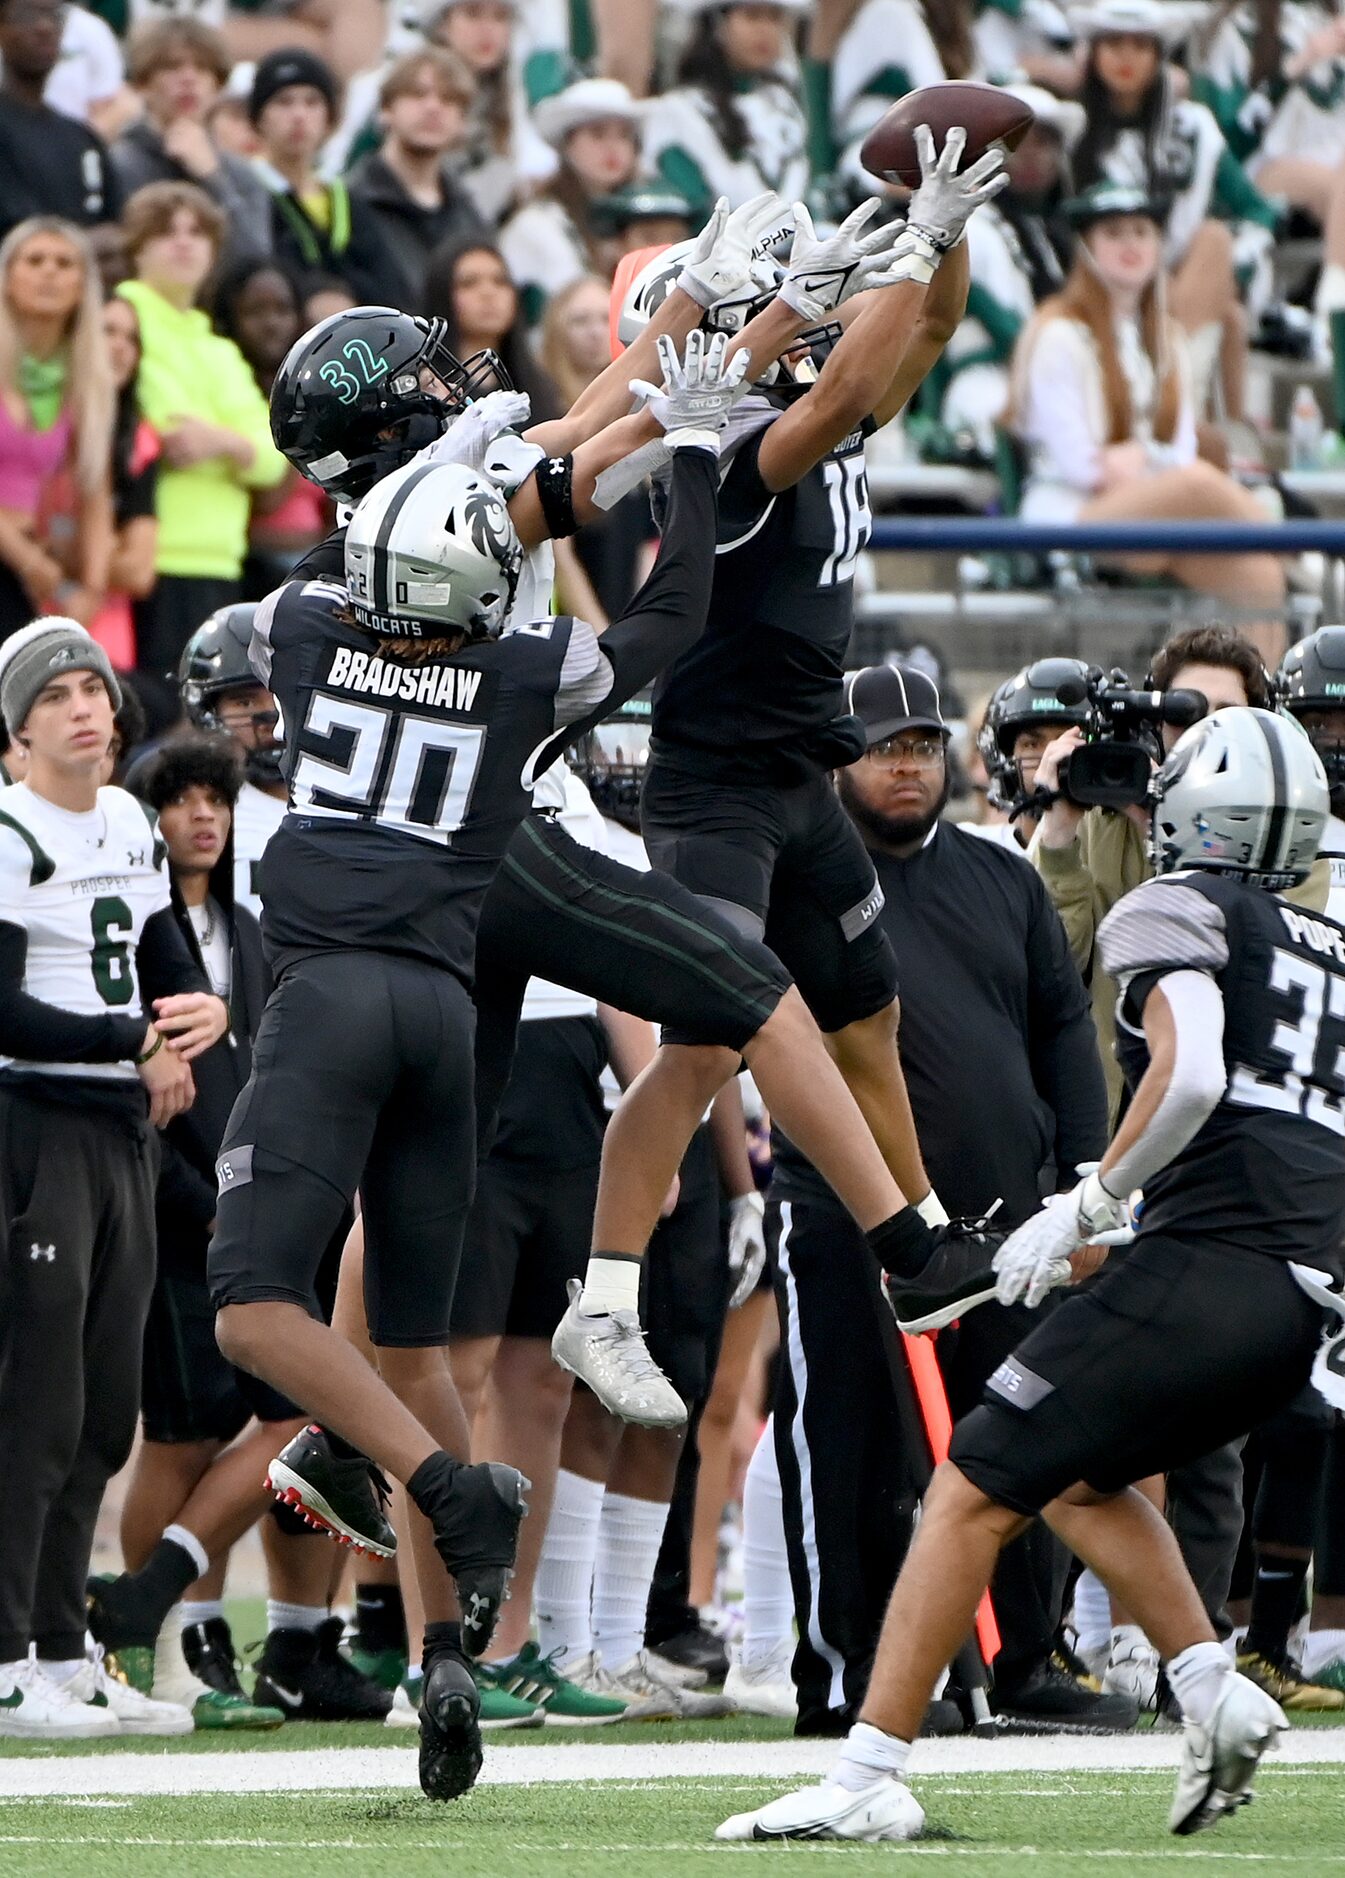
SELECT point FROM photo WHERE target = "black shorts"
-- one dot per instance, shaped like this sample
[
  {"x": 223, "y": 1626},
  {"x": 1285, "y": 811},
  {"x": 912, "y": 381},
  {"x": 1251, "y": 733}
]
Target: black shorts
[
  {"x": 361, "y": 1078},
  {"x": 1181, "y": 1348},
  {"x": 188, "y": 1391},
  {"x": 684, "y": 1287},
  {"x": 638, "y": 942},
  {"x": 527, "y": 1236},
  {"x": 792, "y": 860}
]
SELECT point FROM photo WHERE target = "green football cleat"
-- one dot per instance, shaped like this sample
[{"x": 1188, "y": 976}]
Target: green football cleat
[
  {"x": 385, "y": 1667},
  {"x": 1331, "y": 1675},
  {"x": 134, "y": 1663},
  {"x": 214, "y": 1709},
  {"x": 500, "y": 1709},
  {"x": 535, "y": 1678}
]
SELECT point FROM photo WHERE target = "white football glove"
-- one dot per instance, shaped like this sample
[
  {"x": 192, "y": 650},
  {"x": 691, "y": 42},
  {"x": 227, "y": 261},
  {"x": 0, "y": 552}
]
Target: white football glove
[
  {"x": 937, "y": 217},
  {"x": 747, "y": 1246},
  {"x": 720, "y": 263},
  {"x": 698, "y": 390},
  {"x": 823, "y": 270},
  {"x": 1034, "y": 1259},
  {"x": 472, "y": 432}
]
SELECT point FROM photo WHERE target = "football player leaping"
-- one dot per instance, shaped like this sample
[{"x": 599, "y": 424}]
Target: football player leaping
[{"x": 1231, "y": 1027}]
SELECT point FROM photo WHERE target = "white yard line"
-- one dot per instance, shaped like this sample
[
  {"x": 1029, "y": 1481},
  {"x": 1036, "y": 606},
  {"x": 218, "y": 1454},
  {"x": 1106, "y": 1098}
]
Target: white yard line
[{"x": 387, "y": 1769}]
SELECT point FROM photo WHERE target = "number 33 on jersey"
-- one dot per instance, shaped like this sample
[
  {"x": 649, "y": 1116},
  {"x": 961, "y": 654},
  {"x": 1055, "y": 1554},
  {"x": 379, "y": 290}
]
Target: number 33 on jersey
[{"x": 82, "y": 887}]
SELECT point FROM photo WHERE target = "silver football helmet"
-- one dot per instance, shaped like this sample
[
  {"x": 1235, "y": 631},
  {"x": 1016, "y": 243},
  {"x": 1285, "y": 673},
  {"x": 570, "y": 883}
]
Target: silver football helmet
[
  {"x": 430, "y": 552},
  {"x": 1242, "y": 792},
  {"x": 659, "y": 275}
]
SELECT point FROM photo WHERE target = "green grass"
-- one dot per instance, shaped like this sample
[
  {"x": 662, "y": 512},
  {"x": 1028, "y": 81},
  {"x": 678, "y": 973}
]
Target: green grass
[{"x": 1005, "y": 1825}]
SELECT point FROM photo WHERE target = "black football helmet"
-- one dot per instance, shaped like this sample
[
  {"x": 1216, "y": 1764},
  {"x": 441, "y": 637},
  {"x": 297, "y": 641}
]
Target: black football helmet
[
  {"x": 1029, "y": 697},
  {"x": 358, "y": 375},
  {"x": 612, "y": 757},
  {"x": 1312, "y": 678},
  {"x": 215, "y": 661}
]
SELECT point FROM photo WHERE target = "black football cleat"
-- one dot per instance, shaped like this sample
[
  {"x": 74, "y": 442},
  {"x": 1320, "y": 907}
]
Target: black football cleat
[
  {"x": 305, "y": 1676},
  {"x": 450, "y": 1727},
  {"x": 957, "y": 1276},
  {"x": 1051, "y": 1699},
  {"x": 344, "y": 1497},
  {"x": 209, "y": 1651},
  {"x": 476, "y": 1531}
]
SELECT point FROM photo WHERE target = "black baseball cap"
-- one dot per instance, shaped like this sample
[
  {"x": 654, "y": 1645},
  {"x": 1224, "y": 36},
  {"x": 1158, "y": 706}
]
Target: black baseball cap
[{"x": 889, "y": 698}]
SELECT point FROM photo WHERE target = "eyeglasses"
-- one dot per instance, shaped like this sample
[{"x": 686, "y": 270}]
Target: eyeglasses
[{"x": 922, "y": 752}]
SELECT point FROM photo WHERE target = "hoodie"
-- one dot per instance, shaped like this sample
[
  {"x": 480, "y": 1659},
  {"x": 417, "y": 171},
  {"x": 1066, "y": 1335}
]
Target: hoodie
[{"x": 410, "y": 232}]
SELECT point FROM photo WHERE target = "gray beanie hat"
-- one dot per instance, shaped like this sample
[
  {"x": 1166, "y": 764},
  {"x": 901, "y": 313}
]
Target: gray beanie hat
[{"x": 33, "y": 656}]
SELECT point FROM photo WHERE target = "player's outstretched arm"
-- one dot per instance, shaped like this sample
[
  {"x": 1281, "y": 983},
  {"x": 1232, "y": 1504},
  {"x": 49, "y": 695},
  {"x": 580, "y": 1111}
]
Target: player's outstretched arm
[
  {"x": 940, "y": 317},
  {"x": 719, "y": 264},
  {"x": 859, "y": 375}
]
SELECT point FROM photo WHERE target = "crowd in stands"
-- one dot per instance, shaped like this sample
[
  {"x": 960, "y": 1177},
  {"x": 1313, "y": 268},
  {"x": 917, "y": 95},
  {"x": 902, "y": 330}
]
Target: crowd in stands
[{"x": 224, "y": 176}]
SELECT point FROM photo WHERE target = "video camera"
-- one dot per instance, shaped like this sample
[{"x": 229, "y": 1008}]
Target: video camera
[{"x": 1112, "y": 767}]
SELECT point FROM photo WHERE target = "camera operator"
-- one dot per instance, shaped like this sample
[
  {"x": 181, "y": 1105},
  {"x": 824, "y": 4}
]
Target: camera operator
[
  {"x": 1089, "y": 857},
  {"x": 1311, "y": 687},
  {"x": 1023, "y": 719}
]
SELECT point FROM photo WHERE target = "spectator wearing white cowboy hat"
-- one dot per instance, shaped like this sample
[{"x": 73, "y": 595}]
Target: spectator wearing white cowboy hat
[
  {"x": 594, "y": 128},
  {"x": 1141, "y": 134},
  {"x": 734, "y": 123}
]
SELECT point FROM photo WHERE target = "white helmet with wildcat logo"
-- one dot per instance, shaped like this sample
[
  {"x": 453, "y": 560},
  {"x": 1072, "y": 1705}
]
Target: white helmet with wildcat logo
[
  {"x": 430, "y": 552},
  {"x": 1242, "y": 792},
  {"x": 659, "y": 275}
]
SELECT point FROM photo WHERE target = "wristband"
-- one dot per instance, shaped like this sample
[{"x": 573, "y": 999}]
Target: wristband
[{"x": 153, "y": 1050}]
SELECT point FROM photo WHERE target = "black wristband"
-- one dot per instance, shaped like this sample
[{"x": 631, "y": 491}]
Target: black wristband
[{"x": 555, "y": 491}]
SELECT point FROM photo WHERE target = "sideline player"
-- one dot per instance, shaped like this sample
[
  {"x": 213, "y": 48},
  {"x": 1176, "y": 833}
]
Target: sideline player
[
  {"x": 410, "y": 732},
  {"x": 1232, "y": 1037},
  {"x": 738, "y": 804}
]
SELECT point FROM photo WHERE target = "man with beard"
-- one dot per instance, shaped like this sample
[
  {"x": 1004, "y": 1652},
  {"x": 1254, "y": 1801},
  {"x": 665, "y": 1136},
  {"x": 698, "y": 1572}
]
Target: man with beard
[{"x": 1001, "y": 1060}]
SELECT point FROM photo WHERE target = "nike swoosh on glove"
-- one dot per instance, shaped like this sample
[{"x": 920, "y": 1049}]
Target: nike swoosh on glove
[
  {"x": 822, "y": 270},
  {"x": 747, "y": 1246}
]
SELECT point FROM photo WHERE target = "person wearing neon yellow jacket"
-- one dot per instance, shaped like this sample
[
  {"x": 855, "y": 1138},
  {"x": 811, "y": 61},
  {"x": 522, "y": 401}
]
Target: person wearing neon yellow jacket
[{"x": 198, "y": 392}]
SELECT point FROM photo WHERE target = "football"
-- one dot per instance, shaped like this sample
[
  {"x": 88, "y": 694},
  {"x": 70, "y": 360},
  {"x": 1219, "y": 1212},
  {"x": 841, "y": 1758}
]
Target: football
[{"x": 988, "y": 114}]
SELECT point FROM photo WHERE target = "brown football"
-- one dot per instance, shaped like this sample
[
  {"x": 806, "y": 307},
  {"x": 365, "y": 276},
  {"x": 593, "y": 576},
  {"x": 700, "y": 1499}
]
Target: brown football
[{"x": 988, "y": 114}]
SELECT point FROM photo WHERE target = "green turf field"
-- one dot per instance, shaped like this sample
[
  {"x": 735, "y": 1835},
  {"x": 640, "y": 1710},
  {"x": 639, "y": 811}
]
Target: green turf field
[{"x": 1006, "y": 1825}]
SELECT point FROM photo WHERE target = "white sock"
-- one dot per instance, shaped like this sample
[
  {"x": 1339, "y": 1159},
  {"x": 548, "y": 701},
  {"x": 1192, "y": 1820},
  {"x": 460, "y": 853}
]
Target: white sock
[
  {"x": 201, "y": 1610},
  {"x": 191, "y": 1545},
  {"x": 563, "y": 1592},
  {"x": 868, "y": 1754},
  {"x": 1321, "y": 1647},
  {"x": 630, "y": 1533},
  {"x": 60, "y": 1673},
  {"x": 1123, "y": 1636},
  {"x": 768, "y": 1598},
  {"x": 1197, "y": 1677},
  {"x": 1092, "y": 1611},
  {"x": 611, "y": 1283},
  {"x": 281, "y": 1616}
]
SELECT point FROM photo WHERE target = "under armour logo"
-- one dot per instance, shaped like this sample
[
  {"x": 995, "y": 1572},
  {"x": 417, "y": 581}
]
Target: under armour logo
[
  {"x": 135, "y": 858},
  {"x": 475, "y": 1617},
  {"x": 47, "y": 1252}
]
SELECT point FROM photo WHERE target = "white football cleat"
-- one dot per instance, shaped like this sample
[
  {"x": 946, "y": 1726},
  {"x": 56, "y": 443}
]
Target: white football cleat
[
  {"x": 33, "y": 1707},
  {"x": 1220, "y": 1756},
  {"x": 766, "y": 1688},
  {"x": 1131, "y": 1667},
  {"x": 138, "y": 1714},
  {"x": 609, "y": 1353},
  {"x": 886, "y": 1810}
]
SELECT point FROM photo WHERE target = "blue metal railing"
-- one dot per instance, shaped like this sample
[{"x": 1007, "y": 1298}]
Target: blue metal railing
[{"x": 985, "y": 534}]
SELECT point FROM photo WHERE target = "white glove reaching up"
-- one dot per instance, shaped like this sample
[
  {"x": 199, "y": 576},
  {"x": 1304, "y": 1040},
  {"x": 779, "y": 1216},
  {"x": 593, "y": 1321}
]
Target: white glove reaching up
[
  {"x": 747, "y": 1246},
  {"x": 698, "y": 390},
  {"x": 824, "y": 271},
  {"x": 469, "y": 435},
  {"x": 720, "y": 263},
  {"x": 941, "y": 207},
  {"x": 1034, "y": 1259}
]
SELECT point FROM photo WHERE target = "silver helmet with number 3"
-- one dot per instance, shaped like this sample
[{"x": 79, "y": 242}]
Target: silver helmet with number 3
[
  {"x": 1242, "y": 792},
  {"x": 431, "y": 552}
]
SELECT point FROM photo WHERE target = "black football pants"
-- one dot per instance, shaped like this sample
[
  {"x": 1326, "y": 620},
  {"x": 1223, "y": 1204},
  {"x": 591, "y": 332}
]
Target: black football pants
[{"x": 76, "y": 1272}]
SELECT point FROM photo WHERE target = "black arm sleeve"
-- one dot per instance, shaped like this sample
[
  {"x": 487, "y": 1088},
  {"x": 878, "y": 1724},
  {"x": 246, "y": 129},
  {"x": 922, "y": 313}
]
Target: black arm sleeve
[
  {"x": 667, "y": 615},
  {"x": 1066, "y": 1065},
  {"x": 43, "y": 1033},
  {"x": 163, "y": 960}
]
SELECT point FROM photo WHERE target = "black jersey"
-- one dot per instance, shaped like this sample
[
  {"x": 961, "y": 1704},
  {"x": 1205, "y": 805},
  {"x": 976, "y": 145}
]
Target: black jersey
[
  {"x": 1267, "y": 1170},
  {"x": 762, "y": 693},
  {"x": 406, "y": 781}
]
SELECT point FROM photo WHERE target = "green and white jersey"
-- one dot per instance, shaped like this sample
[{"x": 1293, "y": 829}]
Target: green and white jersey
[
  {"x": 544, "y": 251},
  {"x": 886, "y": 51},
  {"x": 82, "y": 886},
  {"x": 1302, "y": 117},
  {"x": 682, "y": 145}
]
